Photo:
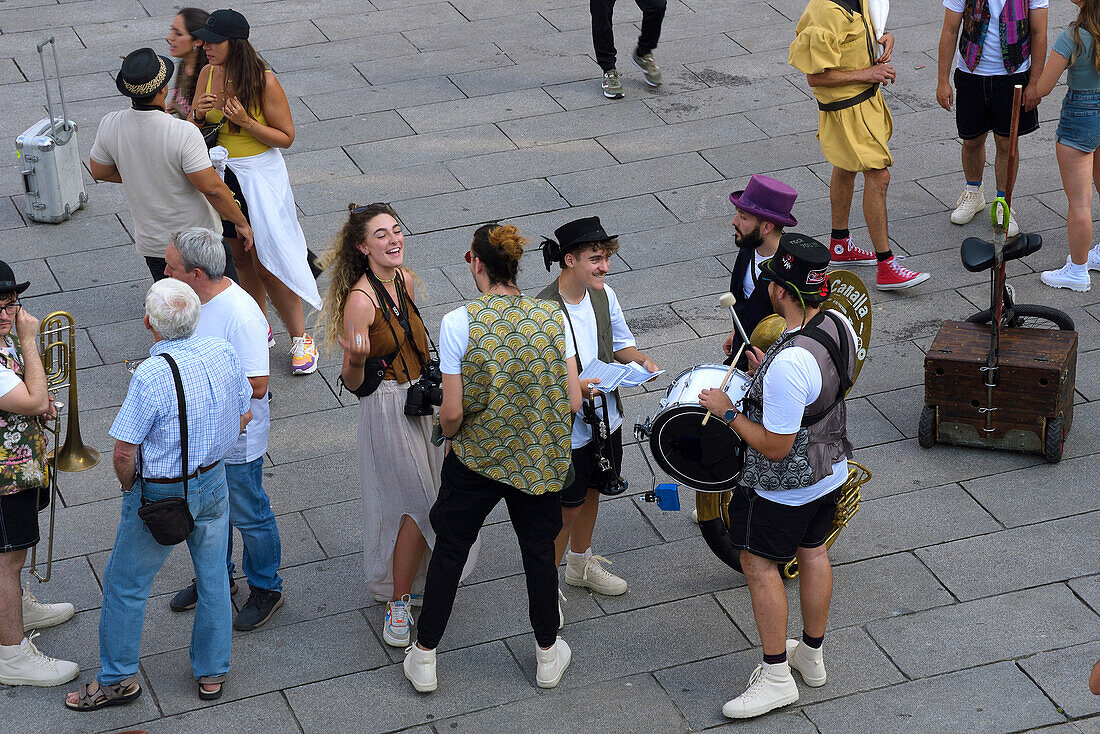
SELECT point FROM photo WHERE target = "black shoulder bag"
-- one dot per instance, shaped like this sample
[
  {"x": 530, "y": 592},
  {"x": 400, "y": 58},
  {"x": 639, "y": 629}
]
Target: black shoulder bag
[{"x": 169, "y": 520}]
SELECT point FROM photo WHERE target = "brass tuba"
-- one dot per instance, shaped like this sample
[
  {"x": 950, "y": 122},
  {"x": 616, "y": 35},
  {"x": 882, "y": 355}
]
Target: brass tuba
[{"x": 57, "y": 346}]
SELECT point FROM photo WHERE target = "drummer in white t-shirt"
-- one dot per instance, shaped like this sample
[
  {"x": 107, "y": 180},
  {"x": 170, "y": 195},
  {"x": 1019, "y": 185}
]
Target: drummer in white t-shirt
[
  {"x": 584, "y": 251},
  {"x": 196, "y": 257}
]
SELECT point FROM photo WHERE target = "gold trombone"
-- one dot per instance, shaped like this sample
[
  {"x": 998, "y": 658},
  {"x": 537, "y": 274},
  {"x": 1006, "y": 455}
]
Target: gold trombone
[{"x": 57, "y": 346}]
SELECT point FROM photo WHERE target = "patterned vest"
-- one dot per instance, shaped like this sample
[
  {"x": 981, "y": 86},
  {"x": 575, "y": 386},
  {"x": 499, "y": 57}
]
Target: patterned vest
[
  {"x": 516, "y": 422},
  {"x": 1015, "y": 33},
  {"x": 22, "y": 440},
  {"x": 816, "y": 447}
]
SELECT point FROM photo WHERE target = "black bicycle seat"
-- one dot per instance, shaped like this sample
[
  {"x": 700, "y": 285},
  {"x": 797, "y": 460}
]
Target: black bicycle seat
[{"x": 977, "y": 254}]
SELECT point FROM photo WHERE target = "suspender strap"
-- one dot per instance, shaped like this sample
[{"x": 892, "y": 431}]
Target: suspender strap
[{"x": 838, "y": 355}]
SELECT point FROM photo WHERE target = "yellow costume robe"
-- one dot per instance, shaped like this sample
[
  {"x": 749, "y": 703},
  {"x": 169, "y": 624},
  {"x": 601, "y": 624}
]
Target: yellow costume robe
[{"x": 829, "y": 36}]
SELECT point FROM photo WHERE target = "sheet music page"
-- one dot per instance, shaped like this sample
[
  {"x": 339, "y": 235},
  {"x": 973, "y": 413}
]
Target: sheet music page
[
  {"x": 610, "y": 375},
  {"x": 637, "y": 374}
]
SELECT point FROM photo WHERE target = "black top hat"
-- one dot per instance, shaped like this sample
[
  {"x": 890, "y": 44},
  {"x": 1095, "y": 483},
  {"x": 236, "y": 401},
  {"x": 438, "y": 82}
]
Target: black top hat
[
  {"x": 144, "y": 73},
  {"x": 571, "y": 236},
  {"x": 800, "y": 265},
  {"x": 7, "y": 280},
  {"x": 223, "y": 25}
]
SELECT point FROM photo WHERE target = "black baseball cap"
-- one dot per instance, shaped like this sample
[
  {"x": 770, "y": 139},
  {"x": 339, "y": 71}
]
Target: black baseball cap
[{"x": 223, "y": 25}]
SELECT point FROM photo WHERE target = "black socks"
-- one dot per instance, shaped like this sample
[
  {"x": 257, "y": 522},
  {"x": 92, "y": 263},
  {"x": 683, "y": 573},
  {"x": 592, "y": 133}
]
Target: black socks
[
  {"x": 883, "y": 257},
  {"x": 776, "y": 659},
  {"x": 812, "y": 642},
  {"x": 840, "y": 234}
]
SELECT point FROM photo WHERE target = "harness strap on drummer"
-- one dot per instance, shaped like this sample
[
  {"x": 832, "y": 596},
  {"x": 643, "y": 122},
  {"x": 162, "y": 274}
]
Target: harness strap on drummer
[{"x": 838, "y": 355}]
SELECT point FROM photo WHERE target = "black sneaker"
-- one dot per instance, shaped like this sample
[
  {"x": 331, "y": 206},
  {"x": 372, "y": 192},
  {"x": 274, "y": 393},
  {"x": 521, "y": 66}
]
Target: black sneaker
[
  {"x": 187, "y": 598},
  {"x": 257, "y": 610}
]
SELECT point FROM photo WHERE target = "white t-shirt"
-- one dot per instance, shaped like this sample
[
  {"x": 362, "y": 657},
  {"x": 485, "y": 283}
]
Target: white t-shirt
[
  {"x": 154, "y": 152},
  {"x": 454, "y": 339},
  {"x": 234, "y": 316},
  {"x": 8, "y": 379},
  {"x": 750, "y": 275},
  {"x": 793, "y": 382},
  {"x": 991, "y": 63}
]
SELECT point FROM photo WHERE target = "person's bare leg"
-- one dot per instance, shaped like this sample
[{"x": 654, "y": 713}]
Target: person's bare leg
[
  {"x": 11, "y": 597},
  {"x": 841, "y": 186},
  {"x": 247, "y": 274},
  {"x": 580, "y": 537},
  {"x": 568, "y": 517},
  {"x": 973, "y": 158},
  {"x": 875, "y": 184},
  {"x": 286, "y": 302},
  {"x": 408, "y": 551},
  {"x": 1077, "y": 168},
  {"x": 769, "y": 601},
  {"x": 815, "y": 588}
]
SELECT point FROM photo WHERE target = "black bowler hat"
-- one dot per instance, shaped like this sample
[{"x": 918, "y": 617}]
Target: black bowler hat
[
  {"x": 7, "y": 280},
  {"x": 571, "y": 236},
  {"x": 223, "y": 25},
  {"x": 144, "y": 73},
  {"x": 800, "y": 264}
]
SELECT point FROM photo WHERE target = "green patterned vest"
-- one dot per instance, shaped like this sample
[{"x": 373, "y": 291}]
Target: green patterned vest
[{"x": 516, "y": 423}]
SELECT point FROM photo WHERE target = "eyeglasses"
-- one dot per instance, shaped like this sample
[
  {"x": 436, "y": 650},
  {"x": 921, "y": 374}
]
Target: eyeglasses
[
  {"x": 11, "y": 309},
  {"x": 375, "y": 205},
  {"x": 469, "y": 256}
]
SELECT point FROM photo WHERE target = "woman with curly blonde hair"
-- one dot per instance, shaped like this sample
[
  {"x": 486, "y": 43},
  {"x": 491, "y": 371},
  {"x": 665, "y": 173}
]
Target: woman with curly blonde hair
[
  {"x": 371, "y": 315},
  {"x": 510, "y": 389}
]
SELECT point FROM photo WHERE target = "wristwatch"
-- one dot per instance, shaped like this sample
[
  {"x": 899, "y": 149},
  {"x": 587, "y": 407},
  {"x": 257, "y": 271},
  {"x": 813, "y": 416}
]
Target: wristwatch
[{"x": 730, "y": 415}]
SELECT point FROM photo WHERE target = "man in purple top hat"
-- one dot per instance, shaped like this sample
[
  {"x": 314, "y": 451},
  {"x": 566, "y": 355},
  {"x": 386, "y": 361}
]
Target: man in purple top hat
[{"x": 763, "y": 210}]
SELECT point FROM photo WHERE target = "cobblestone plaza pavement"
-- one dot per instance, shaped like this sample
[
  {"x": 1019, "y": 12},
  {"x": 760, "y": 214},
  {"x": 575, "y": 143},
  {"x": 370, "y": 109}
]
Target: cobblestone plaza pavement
[{"x": 967, "y": 590}]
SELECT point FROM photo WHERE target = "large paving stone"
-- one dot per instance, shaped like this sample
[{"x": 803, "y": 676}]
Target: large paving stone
[
  {"x": 641, "y": 177},
  {"x": 640, "y": 706},
  {"x": 976, "y": 567},
  {"x": 106, "y": 304},
  {"x": 491, "y": 203},
  {"x": 859, "y": 595},
  {"x": 525, "y": 163},
  {"x": 470, "y": 679},
  {"x": 987, "y": 630},
  {"x": 639, "y": 641},
  {"x": 381, "y": 97},
  {"x": 80, "y": 233},
  {"x": 302, "y": 653},
  {"x": 268, "y": 712},
  {"x": 331, "y": 197},
  {"x": 681, "y": 137},
  {"x": 491, "y": 108},
  {"x": 432, "y": 63},
  {"x": 392, "y": 20},
  {"x": 523, "y": 75},
  {"x": 1088, "y": 588},
  {"x": 577, "y": 124},
  {"x": 989, "y": 698},
  {"x": 1061, "y": 674},
  {"x": 427, "y": 148},
  {"x": 332, "y": 432},
  {"x": 29, "y": 710},
  {"x": 912, "y": 520},
  {"x": 1010, "y": 497},
  {"x": 700, "y": 688},
  {"x": 457, "y": 35}
]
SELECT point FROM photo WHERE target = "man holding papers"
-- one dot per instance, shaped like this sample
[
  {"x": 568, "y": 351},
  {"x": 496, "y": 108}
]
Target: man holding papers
[{"x": 583, "y": 250}]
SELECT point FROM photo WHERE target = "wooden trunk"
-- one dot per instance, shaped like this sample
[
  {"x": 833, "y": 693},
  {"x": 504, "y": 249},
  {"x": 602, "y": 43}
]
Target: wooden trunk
[{"x": 1034, "y": 385}]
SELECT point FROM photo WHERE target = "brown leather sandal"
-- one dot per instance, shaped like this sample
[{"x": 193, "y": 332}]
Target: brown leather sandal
[
  {"x": 115, "y": 694},
  {"x": 210, "y": 680}
]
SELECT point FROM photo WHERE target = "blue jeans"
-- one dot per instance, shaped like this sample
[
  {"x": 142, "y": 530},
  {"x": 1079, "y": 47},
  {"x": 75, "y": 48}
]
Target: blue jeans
[
  {"x": 134, "y": 562},
  {"x": 250, "y": 512}
]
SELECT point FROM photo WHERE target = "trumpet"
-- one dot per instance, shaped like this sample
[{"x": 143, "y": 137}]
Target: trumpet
[{"x": 57, "y": 346}]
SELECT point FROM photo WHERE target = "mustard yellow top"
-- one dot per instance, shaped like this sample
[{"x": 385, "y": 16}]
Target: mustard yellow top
[
  {"x": 239, "y": 144},
  {"x": 829, "y": 36}
]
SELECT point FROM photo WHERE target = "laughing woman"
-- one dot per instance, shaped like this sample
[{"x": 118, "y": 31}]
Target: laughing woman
[
  {"x": 238, "y": 91},
  {"x": 371, "y": 314}
]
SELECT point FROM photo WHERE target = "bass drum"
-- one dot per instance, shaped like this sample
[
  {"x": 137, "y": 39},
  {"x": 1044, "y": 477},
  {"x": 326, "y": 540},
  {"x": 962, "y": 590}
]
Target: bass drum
[{"x": 706, "y": 458}]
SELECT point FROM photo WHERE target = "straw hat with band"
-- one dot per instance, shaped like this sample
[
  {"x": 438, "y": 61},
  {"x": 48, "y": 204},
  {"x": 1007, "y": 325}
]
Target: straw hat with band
[
  {"x": 570, "y": 236},
  {"x": 800, "y": 265},
  {"x": 144, "y": 73}
]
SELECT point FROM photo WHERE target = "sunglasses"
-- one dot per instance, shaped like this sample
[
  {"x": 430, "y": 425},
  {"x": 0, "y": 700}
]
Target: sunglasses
[{"x": 375, "y": 205}]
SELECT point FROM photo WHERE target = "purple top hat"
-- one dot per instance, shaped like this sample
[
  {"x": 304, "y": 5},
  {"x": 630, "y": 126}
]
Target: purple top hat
[{"x": 767, "y": 199}]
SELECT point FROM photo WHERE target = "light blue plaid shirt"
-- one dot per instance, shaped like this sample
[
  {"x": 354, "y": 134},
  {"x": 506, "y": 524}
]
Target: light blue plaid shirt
[{"x": 217, "y": 394}]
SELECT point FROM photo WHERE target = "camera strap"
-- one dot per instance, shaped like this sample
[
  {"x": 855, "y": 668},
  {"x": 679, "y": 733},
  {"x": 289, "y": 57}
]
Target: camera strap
[{"x": 401, "y": 312}]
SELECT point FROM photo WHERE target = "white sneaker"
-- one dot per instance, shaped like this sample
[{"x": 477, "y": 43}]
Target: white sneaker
[
  {"x": 561, "y": 612},
  {"x": 419, "y": 668},
  {"x": 1074, "y": 277},
  {"x": 26, "y": 665},
  {"x": 1013, "y": 225},
  {"x": 770, "y": 687},
  {"x": 398, "y": 624},
  {"x": 806, "y": 661},
  {"x": 1093, "y": 262},
  {"x": 585, "y": 570},
  {"x": 37, "y": 615},
  {"x": 552, "y": 663},
  {"x": 971, "y": 203}
]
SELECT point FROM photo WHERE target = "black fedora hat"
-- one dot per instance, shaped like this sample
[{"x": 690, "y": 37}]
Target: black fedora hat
[
  {"x": 223, "y": 25},
  {"x": 144, "y": 73},
  {"x": 7, "y": 280},
  {"x": 572, "y": 235},
  {"x": 800, "y": 264}
]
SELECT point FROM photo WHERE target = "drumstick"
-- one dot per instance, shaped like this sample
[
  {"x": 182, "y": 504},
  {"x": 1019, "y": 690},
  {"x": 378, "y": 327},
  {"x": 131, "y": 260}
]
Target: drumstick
[{"x": 728, "y": 300}]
